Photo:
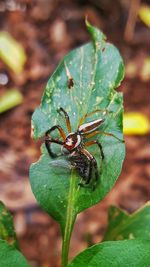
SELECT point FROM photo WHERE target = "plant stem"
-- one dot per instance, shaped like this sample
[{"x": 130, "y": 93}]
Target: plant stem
[{"x": 70, "y": 219}]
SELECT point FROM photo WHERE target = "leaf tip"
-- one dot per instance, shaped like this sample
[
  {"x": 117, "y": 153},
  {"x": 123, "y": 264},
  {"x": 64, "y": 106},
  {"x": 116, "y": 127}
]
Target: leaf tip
[
  {"x": 86, "y": 21},
  {"x": 97, "y": 35}
]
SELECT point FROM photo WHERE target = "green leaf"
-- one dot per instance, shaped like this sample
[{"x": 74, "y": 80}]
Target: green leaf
[
  {"x": 133, "y": 253},
  {"x": 11, "y": 257},
  {"x": 7, "y": 231},
  {"x": 12, "y": 53},
  {"x": 84, "y": 81},
  {"x": 124, "y": 226}
]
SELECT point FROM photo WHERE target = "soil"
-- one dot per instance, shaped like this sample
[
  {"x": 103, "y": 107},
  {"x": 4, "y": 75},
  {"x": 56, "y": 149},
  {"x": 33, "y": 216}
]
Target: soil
[{"x": 48, "y": 30}]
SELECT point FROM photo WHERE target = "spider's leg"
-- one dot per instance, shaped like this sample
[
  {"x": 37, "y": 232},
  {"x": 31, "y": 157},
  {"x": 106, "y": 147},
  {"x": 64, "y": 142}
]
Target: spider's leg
[
  {"x": 96, "y": 169},
  {"x": 96, "y": 142},
  {"x": 61, "y": 131},
  {"x": 110, "y": 134},
  {"x": 105, "y": 133},
  {"x": 66, "y": 118},
  {"x": 90, "y": 172},
  {"x": 91, "y": 113},
  {"x": 92, "y": 165},
  {"x": 48, "y": 146},
  {"x": 89, "y": 135},
  {"x": 93, "y": 142}
]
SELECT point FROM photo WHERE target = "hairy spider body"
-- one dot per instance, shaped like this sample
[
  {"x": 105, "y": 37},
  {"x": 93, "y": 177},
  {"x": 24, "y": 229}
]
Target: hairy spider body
[
  {"x": 75, "y": 143},
  {"x": 81, "y": 164}
]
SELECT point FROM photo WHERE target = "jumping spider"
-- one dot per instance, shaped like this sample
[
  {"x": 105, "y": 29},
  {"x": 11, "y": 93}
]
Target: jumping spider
[{"x": 74, "y": 145}]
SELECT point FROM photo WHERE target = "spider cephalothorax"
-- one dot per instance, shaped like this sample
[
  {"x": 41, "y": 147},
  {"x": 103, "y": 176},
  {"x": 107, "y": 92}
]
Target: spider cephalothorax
[
  {"x": 73, "y": 140},
  {"x": 75, "y": 143}
]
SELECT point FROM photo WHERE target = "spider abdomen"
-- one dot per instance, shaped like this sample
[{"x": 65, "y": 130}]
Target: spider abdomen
[
  {"x": 81, "y": 164},
  {"x": 90, "y": 126}
]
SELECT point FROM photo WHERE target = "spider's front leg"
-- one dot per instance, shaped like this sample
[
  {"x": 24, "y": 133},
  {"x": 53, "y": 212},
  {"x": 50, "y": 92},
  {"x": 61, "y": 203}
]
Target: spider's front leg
[
  {"x": 49, "y": 140},
  {"x": 61, "y": 131},
  {"x": 48, "y": 146},
  {"x": 68, "y": 124}
]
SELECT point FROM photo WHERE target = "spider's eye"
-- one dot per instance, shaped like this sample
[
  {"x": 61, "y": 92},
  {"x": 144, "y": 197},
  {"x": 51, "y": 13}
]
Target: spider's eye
[
  {"x": 72, "y": 141},
  {"x": 69, "y": 141}
]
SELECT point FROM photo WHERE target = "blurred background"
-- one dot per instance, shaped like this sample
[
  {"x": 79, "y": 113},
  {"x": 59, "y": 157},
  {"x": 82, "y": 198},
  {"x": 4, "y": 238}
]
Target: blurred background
[{"x": 34, "y": 37}]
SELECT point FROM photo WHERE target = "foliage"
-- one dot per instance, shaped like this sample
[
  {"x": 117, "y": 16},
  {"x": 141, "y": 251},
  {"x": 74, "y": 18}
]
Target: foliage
[
  {"x": 84, "y": 81},
  {"x": 12, "y": 53},
  {"x": 124, "y": 226},
  {"x": 135, "y": 123},
  {"x": 144, "y": 14},
  {"x": 96, "y": 69},
  {"x": 7, "y": 231},
  {"x": 10, "y": 99},
  {"x": 9, "y": 253},
  {"x": 10, "y": 256},
  {"x": 133, "y": 253}
]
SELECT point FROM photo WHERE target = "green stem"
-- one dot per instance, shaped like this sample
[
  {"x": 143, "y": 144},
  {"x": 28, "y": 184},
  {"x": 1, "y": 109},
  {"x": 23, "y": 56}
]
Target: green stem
[{"x": 70, "y": 219}]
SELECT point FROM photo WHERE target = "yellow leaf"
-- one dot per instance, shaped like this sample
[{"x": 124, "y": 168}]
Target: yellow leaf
[
  {"x": 12, "y": 53},
  {"x": 131, "y": 69},
  {"x": 145, "y": 71},
  {"x": 144, "y": 14},
  {"x": 135, "y": 123},
  {"x": 10, "y": 99}
]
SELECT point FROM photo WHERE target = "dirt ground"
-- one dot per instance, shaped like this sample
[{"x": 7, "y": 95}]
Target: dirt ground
[{"x": 48, "y": 30}]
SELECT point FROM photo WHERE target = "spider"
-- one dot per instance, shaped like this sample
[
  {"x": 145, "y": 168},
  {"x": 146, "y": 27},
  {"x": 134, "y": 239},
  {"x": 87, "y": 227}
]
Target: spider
[{"x": 75, "y": 143}]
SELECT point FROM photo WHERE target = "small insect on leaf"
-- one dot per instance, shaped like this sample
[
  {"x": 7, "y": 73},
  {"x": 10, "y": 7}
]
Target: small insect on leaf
[{"x": 70, "y": 83}]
